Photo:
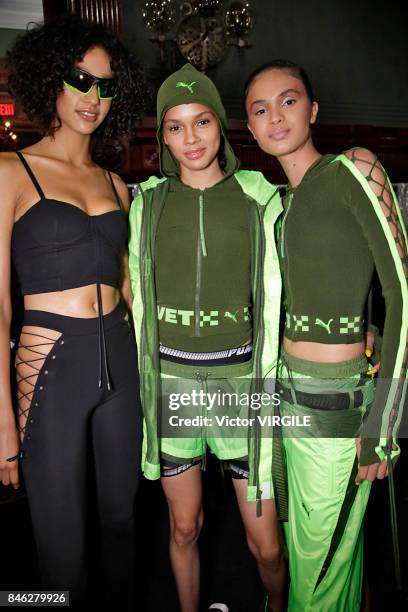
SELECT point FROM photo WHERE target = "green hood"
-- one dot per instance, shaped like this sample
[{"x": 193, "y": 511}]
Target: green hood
[{"x": 187, "y": 86}]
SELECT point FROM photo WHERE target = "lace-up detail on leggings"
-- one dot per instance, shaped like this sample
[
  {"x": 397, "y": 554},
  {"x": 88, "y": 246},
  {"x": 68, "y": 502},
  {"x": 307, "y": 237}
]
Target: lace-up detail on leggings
[{"x": 33, "y": 351}]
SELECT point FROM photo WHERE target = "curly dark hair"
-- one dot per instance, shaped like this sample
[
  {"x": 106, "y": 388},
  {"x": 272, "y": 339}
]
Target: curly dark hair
[{"x": 42, "y": 57}]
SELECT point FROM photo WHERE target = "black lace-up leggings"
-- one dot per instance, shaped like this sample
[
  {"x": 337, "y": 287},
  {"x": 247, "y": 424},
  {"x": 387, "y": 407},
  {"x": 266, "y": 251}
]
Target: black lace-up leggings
[{"x": 64, "y": 418}]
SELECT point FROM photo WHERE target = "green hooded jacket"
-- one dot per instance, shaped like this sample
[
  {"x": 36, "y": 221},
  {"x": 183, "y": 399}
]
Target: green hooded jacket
[{"x": 188, "y": 85}]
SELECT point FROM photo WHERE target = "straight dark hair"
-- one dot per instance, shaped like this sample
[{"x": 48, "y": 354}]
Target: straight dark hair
[{"x": 282, "y": 64}]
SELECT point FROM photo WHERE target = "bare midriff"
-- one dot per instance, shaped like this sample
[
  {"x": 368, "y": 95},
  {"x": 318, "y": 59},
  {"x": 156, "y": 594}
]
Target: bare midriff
[
  {"x": 323, "y": 353},
  {"x": 80, "y": 302}
]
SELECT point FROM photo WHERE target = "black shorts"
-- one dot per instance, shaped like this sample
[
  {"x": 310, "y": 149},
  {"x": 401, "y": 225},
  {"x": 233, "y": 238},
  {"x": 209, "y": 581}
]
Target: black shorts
[{"x": 238, "y": 468}]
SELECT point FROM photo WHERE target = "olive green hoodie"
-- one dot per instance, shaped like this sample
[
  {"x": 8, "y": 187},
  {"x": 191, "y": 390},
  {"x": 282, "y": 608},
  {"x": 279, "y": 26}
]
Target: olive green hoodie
[
  {"x": 203, "y": 296},
  {"x": 188, "y": 86}
]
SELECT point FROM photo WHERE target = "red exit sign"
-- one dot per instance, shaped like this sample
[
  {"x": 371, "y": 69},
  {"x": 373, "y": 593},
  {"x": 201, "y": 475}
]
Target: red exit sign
[{"x": 6, "y": 109}]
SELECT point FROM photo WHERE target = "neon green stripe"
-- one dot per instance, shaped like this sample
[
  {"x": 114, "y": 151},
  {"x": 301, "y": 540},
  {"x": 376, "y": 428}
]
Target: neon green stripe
[{"x": 403, "y": 282}]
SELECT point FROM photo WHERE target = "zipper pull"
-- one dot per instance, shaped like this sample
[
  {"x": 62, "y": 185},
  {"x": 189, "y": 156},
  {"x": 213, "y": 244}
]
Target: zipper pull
[{"x": 202, "y": 235}]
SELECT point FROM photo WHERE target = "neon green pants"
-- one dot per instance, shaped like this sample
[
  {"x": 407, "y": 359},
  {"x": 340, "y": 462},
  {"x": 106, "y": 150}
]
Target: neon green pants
[{"x": 324, "y": 532}]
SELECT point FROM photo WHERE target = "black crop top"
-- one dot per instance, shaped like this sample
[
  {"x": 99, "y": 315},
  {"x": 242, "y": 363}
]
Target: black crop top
[{"x": 57, "y": 246}]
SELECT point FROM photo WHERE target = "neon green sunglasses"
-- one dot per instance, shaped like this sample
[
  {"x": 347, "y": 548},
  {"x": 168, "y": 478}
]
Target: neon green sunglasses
[{"x": 82, "y": 82}]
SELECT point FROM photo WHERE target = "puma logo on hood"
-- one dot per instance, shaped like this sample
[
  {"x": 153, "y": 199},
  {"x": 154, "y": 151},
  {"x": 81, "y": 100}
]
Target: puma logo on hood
[{"x": 186, "y": 85}]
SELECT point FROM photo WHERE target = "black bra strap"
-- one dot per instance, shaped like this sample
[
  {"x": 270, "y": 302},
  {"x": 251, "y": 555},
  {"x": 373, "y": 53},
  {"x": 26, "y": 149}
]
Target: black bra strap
[
  {"x": 31, "y": 175},
  {"x": 118, "y": 200}
]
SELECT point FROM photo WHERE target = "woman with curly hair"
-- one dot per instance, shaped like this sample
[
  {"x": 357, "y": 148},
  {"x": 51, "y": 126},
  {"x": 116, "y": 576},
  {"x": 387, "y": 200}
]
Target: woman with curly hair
[{"x": 64, "y": 219}]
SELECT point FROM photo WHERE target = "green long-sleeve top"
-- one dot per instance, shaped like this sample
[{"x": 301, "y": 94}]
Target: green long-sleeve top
[
  {"x": 203, "y": 267},
  {"x": 340, "y": 223}
]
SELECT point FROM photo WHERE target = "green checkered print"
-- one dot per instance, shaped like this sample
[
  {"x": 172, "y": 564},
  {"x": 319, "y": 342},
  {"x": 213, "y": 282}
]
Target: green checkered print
[
  {"x": 210, "y": 319},
  {"x": 350, "y": 325},
  {"x": 345, "y": 325},
  {"x": 301, "y": 322}
]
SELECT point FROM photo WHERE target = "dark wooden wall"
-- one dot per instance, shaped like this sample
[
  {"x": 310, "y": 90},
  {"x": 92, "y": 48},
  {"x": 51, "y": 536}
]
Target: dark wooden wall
[
  {"x": 390, "y": 144},
  {"x": 106, "y": 12}
]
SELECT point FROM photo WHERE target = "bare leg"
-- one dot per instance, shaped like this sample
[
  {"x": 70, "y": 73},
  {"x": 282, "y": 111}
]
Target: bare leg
[
  {"x": 33, "y": 348},
  {"x": 184, "y": 499},
  {"x": 264, "y": 542}
]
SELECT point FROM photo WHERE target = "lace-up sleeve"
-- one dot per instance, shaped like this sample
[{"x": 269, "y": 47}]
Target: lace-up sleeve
[{"x": 374, "y": 204}]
